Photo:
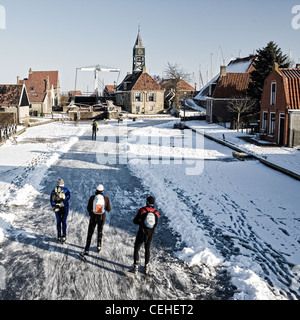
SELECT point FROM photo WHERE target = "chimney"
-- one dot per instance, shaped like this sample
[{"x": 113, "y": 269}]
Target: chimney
[
  {"x": 30, "y": 71},
  {"x": 47, "y": 83},
  {"x": 18, "y": 79},
  {"x": 223, "y": 71},
  {"x": 276, "y": 67}
]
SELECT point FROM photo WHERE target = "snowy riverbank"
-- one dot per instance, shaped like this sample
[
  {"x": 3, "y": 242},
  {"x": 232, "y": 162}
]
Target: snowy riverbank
[{"x": 230, "y": 216}]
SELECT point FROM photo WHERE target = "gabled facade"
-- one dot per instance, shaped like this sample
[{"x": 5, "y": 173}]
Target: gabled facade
[
  {"x": 139, "y": 93},
  {"x": 280, "y": 107},
  {"x": 14, "y": 98},
  {"x": 43, "y": 88}
]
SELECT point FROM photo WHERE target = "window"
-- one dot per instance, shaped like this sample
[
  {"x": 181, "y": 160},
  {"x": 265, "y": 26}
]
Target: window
[
  {"x": 31, "y": 89},
  {"x": 151, "y": 97},
  {"x": 265, "y": 121},
  {"x": 273, "y": 93},
  {"x": 151, "y": 108},
  {"x": 137, "y": 109},
  {"x": 138, "y": 97},
  {"x": 272, "y": 124}
]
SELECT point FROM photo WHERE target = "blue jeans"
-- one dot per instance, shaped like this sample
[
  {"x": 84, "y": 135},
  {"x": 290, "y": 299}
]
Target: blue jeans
[{"x": 61, "y": 218}]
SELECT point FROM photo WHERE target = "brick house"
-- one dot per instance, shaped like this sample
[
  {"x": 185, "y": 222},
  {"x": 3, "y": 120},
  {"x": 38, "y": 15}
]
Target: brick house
[
  {"x": 280, "y": 107},
  {"x": 43, "y": 89},
  {"x": 14, "y": 99}
]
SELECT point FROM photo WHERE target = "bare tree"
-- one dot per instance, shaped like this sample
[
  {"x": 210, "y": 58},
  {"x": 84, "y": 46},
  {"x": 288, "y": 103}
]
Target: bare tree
[
  {"x": 241, "y": 105},
  {"x": 174, "y": 74}
]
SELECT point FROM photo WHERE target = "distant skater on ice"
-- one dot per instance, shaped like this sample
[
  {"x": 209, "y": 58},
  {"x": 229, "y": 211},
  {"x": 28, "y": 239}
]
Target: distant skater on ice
[
  {"x": 95, "y": 128},
  {"x": 59, "y": 200}
]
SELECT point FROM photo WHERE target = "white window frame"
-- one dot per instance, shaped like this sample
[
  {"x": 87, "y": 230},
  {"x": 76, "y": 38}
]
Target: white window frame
[
  {"x": 138, "y": 97},
  {"x": 265, "y": 121},
  {"x": 272, "y": 132},
  {"x": 152, "y": 97},
  {"x": 273, "y": 94},
  {"x": 281, "y": 115}
]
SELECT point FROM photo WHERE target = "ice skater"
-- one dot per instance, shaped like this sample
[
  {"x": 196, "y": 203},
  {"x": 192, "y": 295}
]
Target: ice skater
[
  {"x": 98, "y": 207},
  {"x": 95, "y": 128},
  {"x": 147, "y": 219},
  {"x": 59, "y": 200}
]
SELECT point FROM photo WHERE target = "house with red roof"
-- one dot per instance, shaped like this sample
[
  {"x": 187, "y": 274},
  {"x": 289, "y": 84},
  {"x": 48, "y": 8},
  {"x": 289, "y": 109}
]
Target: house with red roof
[
  {"x": 139, "y": 93},
  {"x": 230, "y": 84},
  {"x": 280, "y": 107},
  {"x": 14, "y": 99},
  {"x": 183, "y": 91},
  {"x": 109, "y": 91},
  {"x": 43, "y": 90}
]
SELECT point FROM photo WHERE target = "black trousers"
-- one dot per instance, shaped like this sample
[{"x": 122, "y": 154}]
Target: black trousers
[
  {"x": 95, "y": 220},
  {"x": 94, "y": 135},
  {"x": 144, "y": 236}
]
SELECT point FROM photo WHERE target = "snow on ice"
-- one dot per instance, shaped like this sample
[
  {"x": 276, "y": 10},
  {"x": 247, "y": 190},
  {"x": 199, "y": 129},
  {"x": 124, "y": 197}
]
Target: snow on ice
[{"x": 238, "y": 216}]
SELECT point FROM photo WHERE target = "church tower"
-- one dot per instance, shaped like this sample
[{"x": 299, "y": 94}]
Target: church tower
[{"x": 139, "y": 55}]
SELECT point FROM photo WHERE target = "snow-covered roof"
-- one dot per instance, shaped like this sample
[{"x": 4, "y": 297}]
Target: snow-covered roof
[{"x": 240, "y": 65}]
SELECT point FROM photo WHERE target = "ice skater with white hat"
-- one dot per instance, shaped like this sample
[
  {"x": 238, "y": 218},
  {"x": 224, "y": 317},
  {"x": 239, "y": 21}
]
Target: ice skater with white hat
[{"x": 98, "y": 207}]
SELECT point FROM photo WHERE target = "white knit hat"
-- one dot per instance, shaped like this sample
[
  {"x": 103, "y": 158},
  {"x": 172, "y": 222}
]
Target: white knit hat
[
  {"x": 60, "y": 183},
  {"x": 100, "y": 188}
]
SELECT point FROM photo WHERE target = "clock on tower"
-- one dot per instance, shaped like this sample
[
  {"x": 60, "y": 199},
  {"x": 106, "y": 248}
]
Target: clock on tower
[{"x": 139, "y": 55}]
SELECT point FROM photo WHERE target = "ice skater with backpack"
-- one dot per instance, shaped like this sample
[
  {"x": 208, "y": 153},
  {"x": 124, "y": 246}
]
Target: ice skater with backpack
[
  {"x": 98, "y": 207},
  {"x": 59, "y": 200},
  {"x": 147, "y": 219}
]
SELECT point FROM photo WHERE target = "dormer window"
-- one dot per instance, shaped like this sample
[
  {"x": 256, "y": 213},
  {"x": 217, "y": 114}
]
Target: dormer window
[{"x": 273, "y": 93}]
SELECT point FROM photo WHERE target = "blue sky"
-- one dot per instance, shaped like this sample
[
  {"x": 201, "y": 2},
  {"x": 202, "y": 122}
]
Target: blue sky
[{"x": 66, "y": 34}]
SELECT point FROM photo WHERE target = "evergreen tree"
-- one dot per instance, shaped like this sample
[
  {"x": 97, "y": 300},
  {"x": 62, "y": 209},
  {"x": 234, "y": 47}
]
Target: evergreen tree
[{"x": 263, "y": 64}]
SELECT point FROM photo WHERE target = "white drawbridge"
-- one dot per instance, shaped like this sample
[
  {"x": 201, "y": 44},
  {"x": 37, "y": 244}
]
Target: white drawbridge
[{"x": 96, "y": 69}]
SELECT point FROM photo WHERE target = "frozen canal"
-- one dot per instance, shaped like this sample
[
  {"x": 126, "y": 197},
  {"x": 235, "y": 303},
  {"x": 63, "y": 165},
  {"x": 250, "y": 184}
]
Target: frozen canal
[{"x": 231, "y": 231}]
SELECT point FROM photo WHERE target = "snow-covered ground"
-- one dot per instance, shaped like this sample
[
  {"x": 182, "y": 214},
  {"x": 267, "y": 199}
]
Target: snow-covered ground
[
  {"x": 288, "y": 158},
  {"x": 234, "y": 224},
  {"x": 37, "y": 149},
  {"x": 241, "y": 215}
]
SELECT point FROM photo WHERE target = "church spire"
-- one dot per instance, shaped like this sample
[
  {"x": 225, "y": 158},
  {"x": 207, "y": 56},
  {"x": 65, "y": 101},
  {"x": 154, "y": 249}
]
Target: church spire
[{"x": 139, "y": 53}]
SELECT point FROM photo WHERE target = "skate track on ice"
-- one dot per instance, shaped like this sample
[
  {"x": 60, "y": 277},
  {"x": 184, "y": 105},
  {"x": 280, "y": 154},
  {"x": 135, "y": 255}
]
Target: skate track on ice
[{"x": 39, "y": 268}]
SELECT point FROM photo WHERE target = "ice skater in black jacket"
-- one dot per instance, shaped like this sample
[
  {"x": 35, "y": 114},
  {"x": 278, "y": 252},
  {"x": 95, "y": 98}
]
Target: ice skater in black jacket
[
  {"x": 147, "y": 219},
  {"x": 97, "y": 218}
]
